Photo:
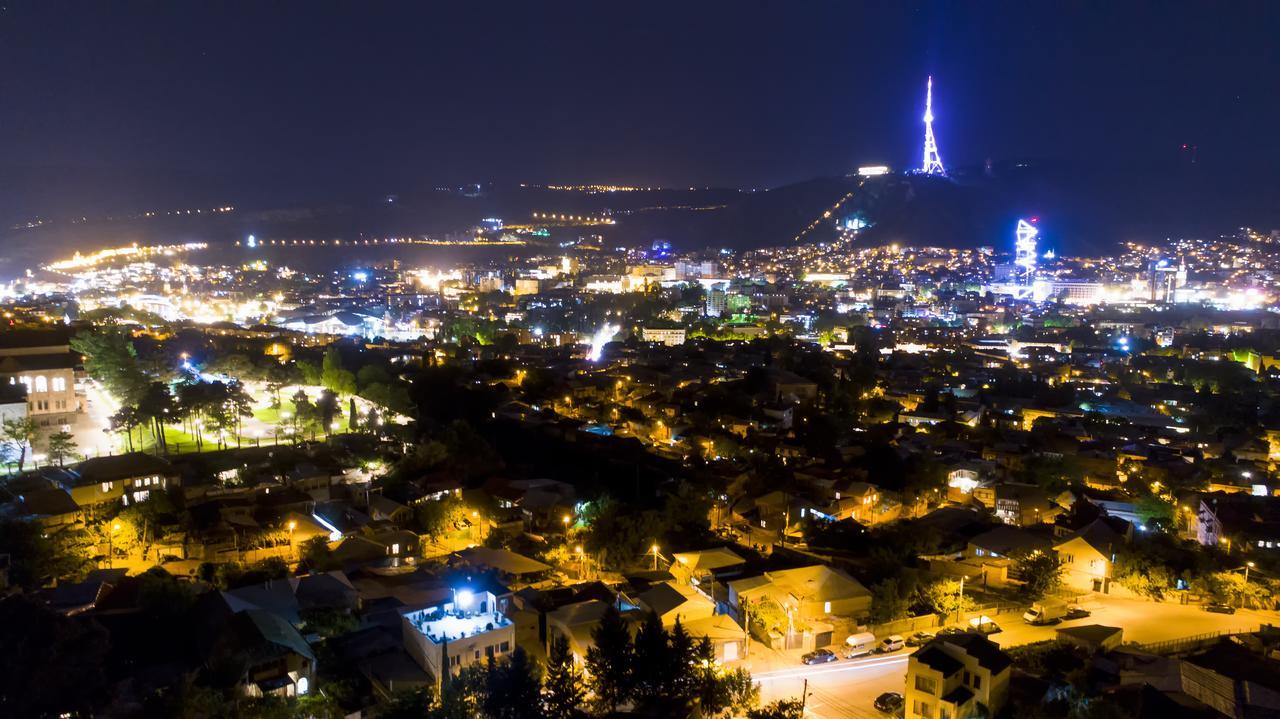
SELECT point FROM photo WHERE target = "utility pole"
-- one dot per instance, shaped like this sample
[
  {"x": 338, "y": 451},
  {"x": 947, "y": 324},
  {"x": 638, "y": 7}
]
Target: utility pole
[{"x": 804, "y": 696}]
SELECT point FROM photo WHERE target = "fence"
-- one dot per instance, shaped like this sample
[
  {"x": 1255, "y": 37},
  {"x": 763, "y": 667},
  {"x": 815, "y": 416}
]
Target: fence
[{"x": 1190, "y": 643}]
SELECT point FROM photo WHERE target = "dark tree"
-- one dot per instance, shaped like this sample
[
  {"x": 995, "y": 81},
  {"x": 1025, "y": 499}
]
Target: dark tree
[
  {"x": 562, "y": 688},
  {"x": 49, "y": 664},
  {"x": 611, "y": 660}
]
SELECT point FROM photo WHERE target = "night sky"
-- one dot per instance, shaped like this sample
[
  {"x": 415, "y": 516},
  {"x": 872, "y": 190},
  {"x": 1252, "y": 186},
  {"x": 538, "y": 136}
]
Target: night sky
[{"x": 117, "y": 100}]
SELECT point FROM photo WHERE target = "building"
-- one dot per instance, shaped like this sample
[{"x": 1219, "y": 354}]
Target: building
[
  {"x": 467, "y": 629},
  {"x": 43, "y": 363},
  {"x": 128, "y": 477},
  {"x": 812, "y": 592},
  {"x": 668, "y": 337},
  {"x": 952, "y": 677},
  {"x": 1087, "y": 557}
]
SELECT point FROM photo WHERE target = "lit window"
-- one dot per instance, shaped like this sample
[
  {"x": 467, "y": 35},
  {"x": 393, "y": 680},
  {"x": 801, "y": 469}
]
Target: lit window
[
  {"x": 106, "y": 487},
  {"x": 395, "y": 547},
  {"x": 59, "y": 384},
  {"x": 42, "y": 383},
  {"x": 826, "y": 607}
]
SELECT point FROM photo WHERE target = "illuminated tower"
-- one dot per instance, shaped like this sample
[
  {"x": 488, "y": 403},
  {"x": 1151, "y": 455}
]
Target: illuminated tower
[
  {"x": 932, "y": 161},
  {"x": 1024, "y": 251}
]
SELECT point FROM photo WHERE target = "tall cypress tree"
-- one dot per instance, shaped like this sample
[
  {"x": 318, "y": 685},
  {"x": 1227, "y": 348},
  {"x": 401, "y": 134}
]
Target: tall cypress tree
[
  {"x": 562, "y": 689},
  {"x": 610, "y": 661},
  {"x": 653, "y": 668}
]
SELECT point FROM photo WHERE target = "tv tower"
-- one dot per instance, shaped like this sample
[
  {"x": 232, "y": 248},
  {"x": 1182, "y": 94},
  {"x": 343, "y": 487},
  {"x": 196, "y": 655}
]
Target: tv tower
[
  {"x": 1024, "y": 251},
  {"x": 932, "y": 161}
]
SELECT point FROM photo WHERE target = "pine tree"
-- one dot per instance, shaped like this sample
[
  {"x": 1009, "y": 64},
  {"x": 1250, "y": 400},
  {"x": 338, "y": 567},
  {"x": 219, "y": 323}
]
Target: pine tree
[
  {"x": 562, "y": 689},
  {"x": 512, "y": 688},
  {"x": 611, "y": 660},
  {"x": 654, "y": 668}
]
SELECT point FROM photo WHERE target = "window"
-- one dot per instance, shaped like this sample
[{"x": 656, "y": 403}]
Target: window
[
  {"x": 826, "y": 607},
  {"x": 977, "y": 681},
  {"x": 920, "y": 708},
  {"x": 1069, "y": 558},
  {"x": 504, "y": 647},
  {"x": 59, "y": 384},
  {"x": 42, "y": 383},
  {"x": 926, "y": 684},
  {"x": 944, "y": 713},
  {"x": 106, "y": 486},
  {"x": 980, "y": 552},
  {"x": 395, "y": 547}
]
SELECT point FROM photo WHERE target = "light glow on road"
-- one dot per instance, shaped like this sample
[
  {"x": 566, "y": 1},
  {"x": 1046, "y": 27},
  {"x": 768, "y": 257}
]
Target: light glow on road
[{"x": 806, "y": 672}]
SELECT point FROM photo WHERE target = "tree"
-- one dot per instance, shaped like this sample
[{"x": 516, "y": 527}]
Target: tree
[
  {"x": 562, "y": 688},
  {"x": 888, "y": 602},
  {"x": 111, "y": 359},
  {"x": 50, "y": 665},
  {"x": 327, "y": 409},
  {"x": 781, "y": 709},
  {"x": 333, "y": 376},
  {"x": 61, "y": 446},
  {"x": 407, "y": 704},
  {"x": 512, "y": 688},
  {"x": 17, "y": 434},
  {"x": 1041, "y": 573},
  {"x": 654, "y": 665},
  {"x": 945, "y": 597},
  {"x": 610, "y": 661}
]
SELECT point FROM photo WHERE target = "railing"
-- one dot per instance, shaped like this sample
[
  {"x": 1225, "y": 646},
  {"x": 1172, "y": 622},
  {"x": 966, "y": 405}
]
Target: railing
[{"x": 1190, "y": 643}]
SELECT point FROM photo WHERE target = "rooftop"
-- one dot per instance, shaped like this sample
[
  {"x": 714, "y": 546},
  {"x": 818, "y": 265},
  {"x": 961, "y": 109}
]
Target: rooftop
[{"x": 466, "y": 616}]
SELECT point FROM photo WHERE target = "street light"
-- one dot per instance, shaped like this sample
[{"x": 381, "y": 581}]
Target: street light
[
  {"x": 111, "y": 550},
  {"x": 1247, "y": 565},
  {"x": 654, "y": 549},
  {"x": 565, "y": 520}
]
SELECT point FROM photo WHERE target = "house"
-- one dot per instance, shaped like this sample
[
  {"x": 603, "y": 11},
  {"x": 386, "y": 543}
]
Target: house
[
  {"x": 52, "y": 507},
  {"x": 1018, "y": 504},
  {"x": 1007, "y": 541},
  {"x": 277, "y": 661},
  {"x": 129, "y": 478},
  {"x": 812, "y": 592},
  {"x": 859, "y": 501},
  {"x": 1087, "y": 557},
  {"x": 510, "y": 566},
  {"x": 672, "y": 601},
  {"x": 576, "y": 621},
  {"x": 706, "y": 566},
  {"x": 468, "y": 628},
  {"x": 957, "y": 676}
]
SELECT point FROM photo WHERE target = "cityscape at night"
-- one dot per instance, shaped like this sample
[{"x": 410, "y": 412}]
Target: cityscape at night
[{"x": 751, "y": 360}]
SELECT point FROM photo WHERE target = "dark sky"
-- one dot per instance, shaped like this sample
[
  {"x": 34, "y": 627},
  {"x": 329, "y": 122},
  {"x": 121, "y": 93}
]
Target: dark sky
[{"x": 119, "y": 99}]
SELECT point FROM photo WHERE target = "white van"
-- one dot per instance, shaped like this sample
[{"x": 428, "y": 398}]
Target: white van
[{"x": 859, "y": 645}]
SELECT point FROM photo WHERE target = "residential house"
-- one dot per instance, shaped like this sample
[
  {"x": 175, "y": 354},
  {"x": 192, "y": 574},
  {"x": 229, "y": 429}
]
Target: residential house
[
  {"x": 1088, "y": 555},
  {"x": 956, "y": 677},
  {"x": 811, "y": 592},
  {"x": 129, "y": 478}
]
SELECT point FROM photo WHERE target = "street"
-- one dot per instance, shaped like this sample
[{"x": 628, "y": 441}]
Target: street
[{"x": 846, "y": 688}]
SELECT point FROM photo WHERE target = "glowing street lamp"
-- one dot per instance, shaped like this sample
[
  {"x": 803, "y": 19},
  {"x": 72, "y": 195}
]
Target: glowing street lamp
[{"x": 654, "y": 550}]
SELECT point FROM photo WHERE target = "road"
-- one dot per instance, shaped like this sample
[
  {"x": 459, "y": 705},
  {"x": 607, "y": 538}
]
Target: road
[{"x": 846, "y": 688}]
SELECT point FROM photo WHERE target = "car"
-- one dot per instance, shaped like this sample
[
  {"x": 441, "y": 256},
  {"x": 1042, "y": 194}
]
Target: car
[
  {"x": 819, "y": 656},
  {"x": 891, "y": 643},
  {"x": 1075, "y": 613},
  {"x": 1220, "y": 608},
  {"x": 920, "y": 639},
  {"x": 987, "y": 628},
  {"x": 889, "y": 703},
  {"x": 948, "y": 631}
]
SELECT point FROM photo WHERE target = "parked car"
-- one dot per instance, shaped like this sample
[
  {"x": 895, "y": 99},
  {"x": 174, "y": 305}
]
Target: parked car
[
  {"x": 1076, "y": 613},
  {"x": 889, "y": 703},
  {"x": 819, "y": 656},
  {"x": 1220, "y": 608},
  {"x": 987, "y": 628},
  {"x": 920, "y": 638},
  {"x": 891, "y": 643},
  {"x": 947, "y": 631}
]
